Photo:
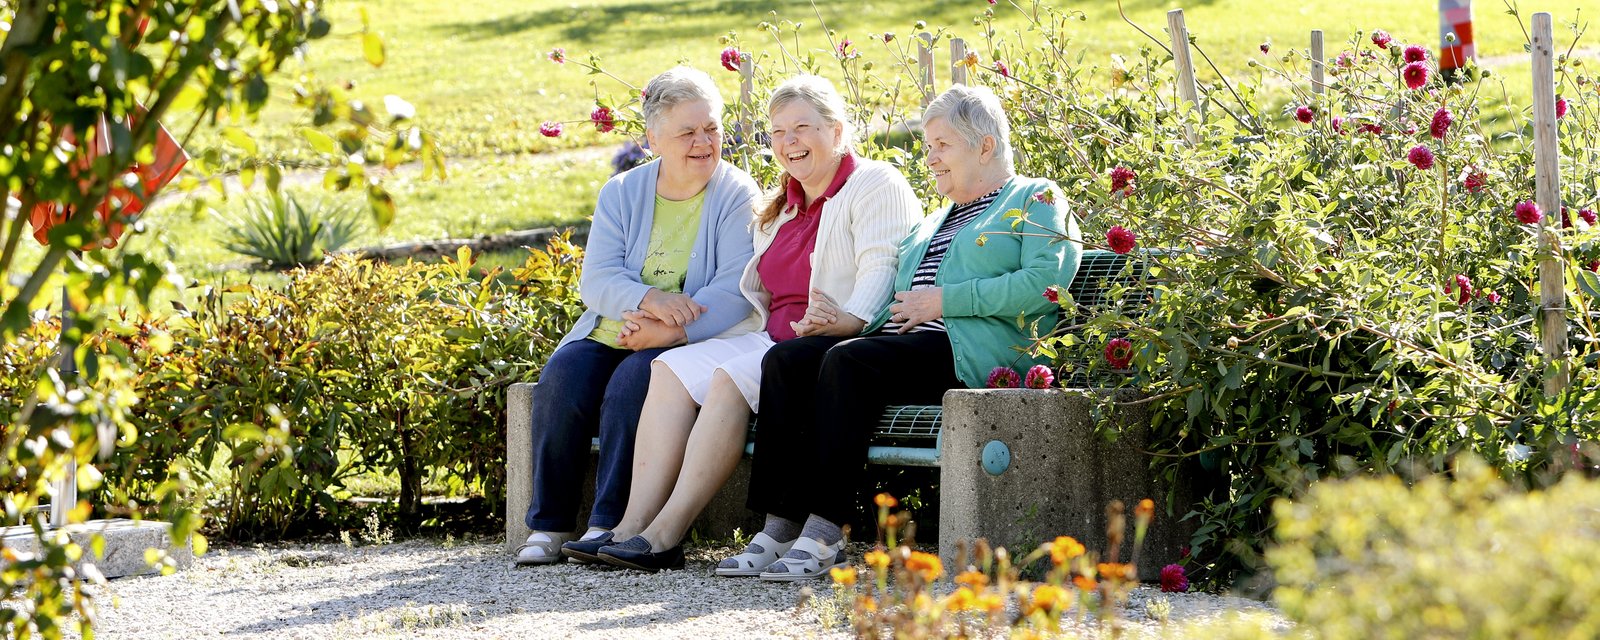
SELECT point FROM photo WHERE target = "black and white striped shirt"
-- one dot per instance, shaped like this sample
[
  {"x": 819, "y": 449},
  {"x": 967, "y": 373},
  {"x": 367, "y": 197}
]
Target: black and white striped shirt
[{"x": 960, "y": 216}]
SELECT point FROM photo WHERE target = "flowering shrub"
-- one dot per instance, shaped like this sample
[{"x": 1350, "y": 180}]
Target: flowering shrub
[{"x": 1299, "y": 315}]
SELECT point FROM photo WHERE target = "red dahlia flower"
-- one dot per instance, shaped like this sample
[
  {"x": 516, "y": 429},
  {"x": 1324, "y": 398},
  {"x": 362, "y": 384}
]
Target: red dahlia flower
[
  {"x": 1415, "y": 75},
  {"x": 1121, "y": 240},
  {"x": 1119, "y": 353}
]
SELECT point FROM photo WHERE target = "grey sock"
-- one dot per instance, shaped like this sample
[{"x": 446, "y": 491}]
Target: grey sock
[
  {"x": 780, "y": 528},
  {"x": 821, "y": 529}
]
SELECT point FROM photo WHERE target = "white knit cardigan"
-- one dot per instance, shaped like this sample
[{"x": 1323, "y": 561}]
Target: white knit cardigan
[{"x": 858, "y": 239}]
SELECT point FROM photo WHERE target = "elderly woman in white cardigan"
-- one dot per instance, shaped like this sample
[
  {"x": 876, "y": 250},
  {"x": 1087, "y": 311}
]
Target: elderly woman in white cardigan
[
  {"x": 670, "y": 238},
  {"x": 827, "y": 239}
]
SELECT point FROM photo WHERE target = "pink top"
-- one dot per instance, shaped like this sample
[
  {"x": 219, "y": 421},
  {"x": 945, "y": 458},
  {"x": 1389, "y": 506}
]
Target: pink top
[{"x": 785, "y": 268}]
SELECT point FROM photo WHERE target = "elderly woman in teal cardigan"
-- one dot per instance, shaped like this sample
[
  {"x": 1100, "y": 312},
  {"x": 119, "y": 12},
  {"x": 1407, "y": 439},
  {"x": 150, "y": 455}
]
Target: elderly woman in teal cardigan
[{"x": 965, "y": 275}]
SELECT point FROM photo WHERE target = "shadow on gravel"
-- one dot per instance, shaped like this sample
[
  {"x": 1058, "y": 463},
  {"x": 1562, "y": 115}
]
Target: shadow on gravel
[{"x": 477, "y": 588}]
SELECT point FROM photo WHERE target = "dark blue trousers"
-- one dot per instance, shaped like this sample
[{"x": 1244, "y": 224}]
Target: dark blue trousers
[{"x": 585, "y": 388}]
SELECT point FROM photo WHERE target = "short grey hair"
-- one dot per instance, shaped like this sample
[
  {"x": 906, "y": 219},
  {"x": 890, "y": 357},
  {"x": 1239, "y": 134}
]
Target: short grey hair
[
  {"x": 974, "y": 112},
  {"x": 819, "y": 94},
  {"x": 675, "y": 86}
]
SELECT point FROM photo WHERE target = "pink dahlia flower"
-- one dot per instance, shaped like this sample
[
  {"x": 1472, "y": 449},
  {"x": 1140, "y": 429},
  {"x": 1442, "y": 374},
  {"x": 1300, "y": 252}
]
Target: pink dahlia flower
[
  {"x": 1442, "y": 119},
  {"x": 1039, "y": 377},
  {"x": 1003, "y": 378},
  {"x": 1420, "y": 157},
  {"x": 1528, "y": 212}
]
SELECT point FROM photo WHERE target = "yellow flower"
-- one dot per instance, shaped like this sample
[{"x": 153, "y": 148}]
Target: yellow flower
[
  {"x": 876, "y": 559},
  {"x": 843, "y": 575},
  {"x": 1084, "y": 583},
  {"x": 991, "y": 602},
  {"x": 974, "y": 579},
  {"x": 866, "y": 604},
  {"x": 922, "y": 602},
  {"x": 971, "y": 60},
  {"x": 1047, "y": 598},
  {"x": 1064, "y": 549},
  {"x": 962, "y": 600},
  {"x": 926, "y": 565},
  {"x": 886, "y": 501}
]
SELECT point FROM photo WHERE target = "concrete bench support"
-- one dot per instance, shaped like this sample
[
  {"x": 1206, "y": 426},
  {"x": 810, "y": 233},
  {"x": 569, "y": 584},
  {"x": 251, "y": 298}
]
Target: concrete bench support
[{"x": 1057, "y": 480}]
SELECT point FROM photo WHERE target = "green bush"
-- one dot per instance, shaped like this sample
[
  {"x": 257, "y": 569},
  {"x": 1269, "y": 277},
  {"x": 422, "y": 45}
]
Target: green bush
[
  {"x": 1449, "y": 557},
  {"x": 273, "y": 399},
  {"x": 1308, "y": 278},
  {"x": 283, "y": 233}
]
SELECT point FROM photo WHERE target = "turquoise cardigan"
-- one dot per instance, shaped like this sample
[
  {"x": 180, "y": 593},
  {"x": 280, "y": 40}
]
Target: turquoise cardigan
[{"x": 985, "y": 287}]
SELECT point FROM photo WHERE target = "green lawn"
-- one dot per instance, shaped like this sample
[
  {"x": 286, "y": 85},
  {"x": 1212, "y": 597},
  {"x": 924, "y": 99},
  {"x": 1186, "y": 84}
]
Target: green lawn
[{"x": 478, "y": 75}]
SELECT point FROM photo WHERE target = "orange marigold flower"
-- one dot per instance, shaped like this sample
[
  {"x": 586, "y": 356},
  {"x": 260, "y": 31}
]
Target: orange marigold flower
[
  {"x": 1145, "y": 510},
  {"x": 877, "y": 559},
  {"x": 962, "y": 600},
  {"x": 974, "y": 579},
  {"x": 866, "y": 604},
  {"x": 926, "y": 565},
  {"x": 843, "y": 575},
  {"x": 1065, "y": 548},
  {"x": 1114, "y": 570},
  {"x": 891, "y": 521},
  {"x": 886, "y": 501},
  {"x": 1084, "y": 583}
]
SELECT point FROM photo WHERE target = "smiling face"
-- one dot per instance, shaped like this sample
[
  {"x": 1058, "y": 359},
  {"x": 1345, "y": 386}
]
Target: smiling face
[
  {"x": 689, "y": 139},
  {"x": 805, "y": 145},
  {"x": 958, "y": 169}
]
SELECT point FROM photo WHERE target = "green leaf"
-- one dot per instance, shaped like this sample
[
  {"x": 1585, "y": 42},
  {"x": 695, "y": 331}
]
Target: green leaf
[
  {"x": 320, "y": 141},
  {"x": 1589, "y": 281},
  {"x": 382, "y": 206},
  {"x": 238, "y": 138},
  {"x": 372, "y": 48}
]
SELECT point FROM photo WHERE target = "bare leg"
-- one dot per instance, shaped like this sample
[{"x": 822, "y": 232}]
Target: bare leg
[
  {"x": 669, "y": 414},
  {"x": 714, "y": 448}
]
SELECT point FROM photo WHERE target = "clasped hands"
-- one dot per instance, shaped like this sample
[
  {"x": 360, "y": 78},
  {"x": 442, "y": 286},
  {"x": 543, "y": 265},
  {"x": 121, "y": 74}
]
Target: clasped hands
[{"x": 659, "y": 321}]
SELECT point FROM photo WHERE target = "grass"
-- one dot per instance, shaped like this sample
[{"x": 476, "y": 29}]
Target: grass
[{"x": 478, "y": 74}]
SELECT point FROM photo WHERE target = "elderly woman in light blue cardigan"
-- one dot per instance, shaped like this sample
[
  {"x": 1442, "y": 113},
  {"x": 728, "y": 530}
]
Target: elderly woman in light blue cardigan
[{"x": 671, "y": 238}]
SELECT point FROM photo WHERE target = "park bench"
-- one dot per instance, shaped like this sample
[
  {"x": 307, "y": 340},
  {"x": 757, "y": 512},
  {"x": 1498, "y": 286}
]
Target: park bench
[{"x": 1013, "y": 446}]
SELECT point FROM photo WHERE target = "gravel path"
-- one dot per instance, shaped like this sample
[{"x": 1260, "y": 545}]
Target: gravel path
[{"x": 423, "y": 588}]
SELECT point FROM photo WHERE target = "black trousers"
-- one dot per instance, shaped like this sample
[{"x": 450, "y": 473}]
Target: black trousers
[{"x": 820, "y": 399}]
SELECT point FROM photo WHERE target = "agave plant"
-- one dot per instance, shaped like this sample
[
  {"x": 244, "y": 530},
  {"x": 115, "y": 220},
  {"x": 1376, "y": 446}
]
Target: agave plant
[{"x": 284, "y": 233}]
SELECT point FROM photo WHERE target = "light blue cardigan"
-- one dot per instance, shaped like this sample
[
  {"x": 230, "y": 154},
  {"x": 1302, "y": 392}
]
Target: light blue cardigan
[{"x": 619, "y": 238}]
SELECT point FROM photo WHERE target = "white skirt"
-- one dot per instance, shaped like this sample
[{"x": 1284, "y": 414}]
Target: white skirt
[{"x": 739, "y": 356}]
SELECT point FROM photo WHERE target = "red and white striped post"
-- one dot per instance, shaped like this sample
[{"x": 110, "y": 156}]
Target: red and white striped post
[{"x": 1455, "y": 36}]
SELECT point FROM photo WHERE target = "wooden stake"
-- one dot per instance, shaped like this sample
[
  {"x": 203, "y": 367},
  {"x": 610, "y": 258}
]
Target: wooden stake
[
  {"x": 1318, "y": 68},
  {"x": 1187, "y": 89},
  {"x": 1547, "y": 192},
  {"x": 747, "y": 82},
  {"x": 958, "y": 56},
  {"x": 925, "y": 64}
]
